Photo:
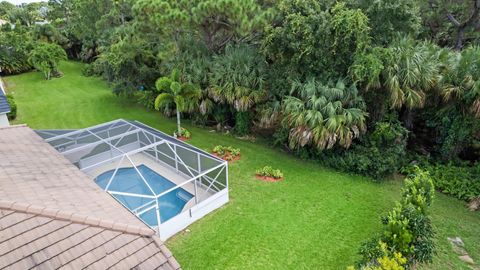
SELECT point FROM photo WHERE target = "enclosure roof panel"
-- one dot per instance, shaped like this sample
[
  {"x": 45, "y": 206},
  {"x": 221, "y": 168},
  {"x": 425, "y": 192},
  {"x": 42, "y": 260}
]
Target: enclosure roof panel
[{"x": 49, "y": 134}]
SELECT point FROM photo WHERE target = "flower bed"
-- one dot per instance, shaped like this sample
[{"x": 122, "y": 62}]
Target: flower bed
[
  {"x": 184, "y": 134},
  {"x": 227, "y": 153},
  {"x": 268, "y": 174}
]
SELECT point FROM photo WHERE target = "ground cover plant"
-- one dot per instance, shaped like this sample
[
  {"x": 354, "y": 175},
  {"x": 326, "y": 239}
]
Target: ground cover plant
[{"x": 321, "y": 215}]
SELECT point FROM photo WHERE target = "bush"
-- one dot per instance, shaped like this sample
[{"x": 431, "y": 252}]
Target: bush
[
  {"x": 383, "y": 259},
  {"x": 183, "y": 133},
  {"x": 268, "y": 171},
  {"x": 459, "y": 181},
  {"x": 226, "y": 152},
  {"x": 13, "y": 108},
  {"x": 243, "y": 122},
  {"x": 378, "y": 155},
  {"x": 407, "y": 230}
]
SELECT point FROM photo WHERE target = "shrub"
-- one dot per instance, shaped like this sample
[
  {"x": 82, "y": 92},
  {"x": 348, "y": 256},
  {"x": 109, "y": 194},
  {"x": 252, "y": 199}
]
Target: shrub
[
  {"x": 407, "y": 228},
  {"x": 13, "y": 108},
  {"x": 461, "y": 181},
  {"x": 226, "y": 152},
  {"x": 243, "y": 123},
  {"x": 384, "y": 259},
  {"x": 269, "y": 172},
  {"x": 183, "y": 133},
  {"x": 377, "y": 155}
]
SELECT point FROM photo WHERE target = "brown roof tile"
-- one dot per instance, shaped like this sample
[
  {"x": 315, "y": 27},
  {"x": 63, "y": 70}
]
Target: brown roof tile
[{"x": 53, "y": 216}]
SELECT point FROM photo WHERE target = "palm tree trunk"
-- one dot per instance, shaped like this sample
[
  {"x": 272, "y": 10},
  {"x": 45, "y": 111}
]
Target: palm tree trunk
[{"x": 178, "y": 123}]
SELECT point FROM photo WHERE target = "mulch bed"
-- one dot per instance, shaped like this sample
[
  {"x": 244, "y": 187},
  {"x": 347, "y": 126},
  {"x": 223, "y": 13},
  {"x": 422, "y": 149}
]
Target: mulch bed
[
  {"x": 224, "y": 157},
  {"x": 268, "y": 178},
  {"x": 183, "y": 139}
]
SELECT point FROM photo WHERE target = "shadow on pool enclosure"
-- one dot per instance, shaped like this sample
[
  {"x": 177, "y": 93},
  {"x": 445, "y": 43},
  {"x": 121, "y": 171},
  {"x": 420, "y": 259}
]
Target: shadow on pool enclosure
[{"x": 166, "y": 183}]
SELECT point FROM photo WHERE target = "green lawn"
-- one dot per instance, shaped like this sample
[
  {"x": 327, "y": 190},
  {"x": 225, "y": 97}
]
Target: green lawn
[{"x": 315, "y": 219}]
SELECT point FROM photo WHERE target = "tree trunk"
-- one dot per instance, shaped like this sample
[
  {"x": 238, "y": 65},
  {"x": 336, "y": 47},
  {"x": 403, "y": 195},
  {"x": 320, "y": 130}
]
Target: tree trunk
[
  {"x": 460, "y": 34},
  {"x": 178, "y": 124},
  {"x": 461, "y": 27}
]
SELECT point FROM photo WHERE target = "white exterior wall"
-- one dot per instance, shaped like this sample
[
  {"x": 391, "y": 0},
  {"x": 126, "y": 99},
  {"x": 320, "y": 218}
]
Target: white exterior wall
[
  {"x": 187, "y": 217},
  {"x": 4, "y": 120}
]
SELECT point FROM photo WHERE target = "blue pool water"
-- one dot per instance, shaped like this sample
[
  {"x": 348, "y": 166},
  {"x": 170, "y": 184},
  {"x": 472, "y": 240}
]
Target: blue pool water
[{"x": 128, "y": 180}]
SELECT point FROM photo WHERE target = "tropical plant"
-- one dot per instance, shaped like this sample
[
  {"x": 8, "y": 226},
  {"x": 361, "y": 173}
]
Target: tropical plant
[
  {"x": 45, "y": 57},
  {"x": 237, "y": 80},
  {"x": 183, "y": 96},
  {"x": 183, "y": 133},
  {"x": 268, "y": 171},
  {"x": 461, "y": 81},
  {"x": 323, "y": 115},
  {"x": 379, "y": 154},
  {"x": 226, "y": 152}
]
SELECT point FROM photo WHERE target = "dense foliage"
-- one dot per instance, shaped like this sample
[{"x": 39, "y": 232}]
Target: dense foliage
[
  {"x": 358, "y": 85},
  {"x": 45, "y": 57},
  {"x": 461, "y": 181}
]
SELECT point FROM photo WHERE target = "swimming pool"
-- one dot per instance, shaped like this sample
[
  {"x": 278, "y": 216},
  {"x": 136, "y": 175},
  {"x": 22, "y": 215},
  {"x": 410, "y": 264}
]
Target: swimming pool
[{"x": 128, "y": 180}]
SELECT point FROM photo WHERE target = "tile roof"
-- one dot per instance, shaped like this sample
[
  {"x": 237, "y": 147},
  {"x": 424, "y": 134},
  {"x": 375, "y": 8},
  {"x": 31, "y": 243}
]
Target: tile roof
[
  {"x": 54, "y": 216},
  {"x": 4, "y": 106}
]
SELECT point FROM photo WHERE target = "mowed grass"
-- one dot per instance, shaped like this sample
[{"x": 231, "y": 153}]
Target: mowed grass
[{"x": 315, "y": 219}]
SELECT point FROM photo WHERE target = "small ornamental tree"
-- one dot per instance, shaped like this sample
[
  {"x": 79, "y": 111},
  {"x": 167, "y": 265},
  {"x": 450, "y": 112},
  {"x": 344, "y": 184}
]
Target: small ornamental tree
[
  {"x": 184, "y": 96},
  {"x": 45, "y": 57}
]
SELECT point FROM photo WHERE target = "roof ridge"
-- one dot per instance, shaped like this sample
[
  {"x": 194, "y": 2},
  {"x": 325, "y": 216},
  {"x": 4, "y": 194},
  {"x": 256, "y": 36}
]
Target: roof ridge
[{"x": 75, "y": 218}]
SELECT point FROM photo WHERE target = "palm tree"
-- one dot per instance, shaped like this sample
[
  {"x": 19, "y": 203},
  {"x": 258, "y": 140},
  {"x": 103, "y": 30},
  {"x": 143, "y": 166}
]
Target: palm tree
[
  {"x": 406, "y": 69},
  {"x": 237, "y": 79},
  {"x": 411, "y": 71},
  {"x": 461, "y": 79},
  {"x": 184, "y": 96},
  {"x": 323, "y": 115}
]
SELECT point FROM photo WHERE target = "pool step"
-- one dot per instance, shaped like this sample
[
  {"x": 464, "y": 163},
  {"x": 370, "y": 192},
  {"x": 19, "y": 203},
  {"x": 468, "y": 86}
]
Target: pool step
[{"x": 139, "y": 210}]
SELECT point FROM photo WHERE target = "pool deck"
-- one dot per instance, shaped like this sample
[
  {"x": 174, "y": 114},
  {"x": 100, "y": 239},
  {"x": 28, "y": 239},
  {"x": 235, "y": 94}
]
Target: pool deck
[{"x": 158, "y": 167}]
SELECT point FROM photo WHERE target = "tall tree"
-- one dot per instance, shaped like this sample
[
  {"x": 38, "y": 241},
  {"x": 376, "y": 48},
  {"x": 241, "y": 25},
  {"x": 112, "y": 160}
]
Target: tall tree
[
  {"x": 215, "y": 23},
  {"x": 388, "y": 18},
  {"x": 45, "y": 57},
  {"x": 451, "y": 22},
  {"x": 310, "y": 39}
]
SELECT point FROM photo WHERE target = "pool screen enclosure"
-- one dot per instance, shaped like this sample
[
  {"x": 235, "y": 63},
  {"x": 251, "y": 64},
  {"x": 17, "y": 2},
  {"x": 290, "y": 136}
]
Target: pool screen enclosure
[{"x": 167, "y": 183}]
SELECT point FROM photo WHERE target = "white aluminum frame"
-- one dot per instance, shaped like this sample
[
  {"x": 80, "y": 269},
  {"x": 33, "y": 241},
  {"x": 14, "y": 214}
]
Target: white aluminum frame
[{"x": 69, "y": 144}]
